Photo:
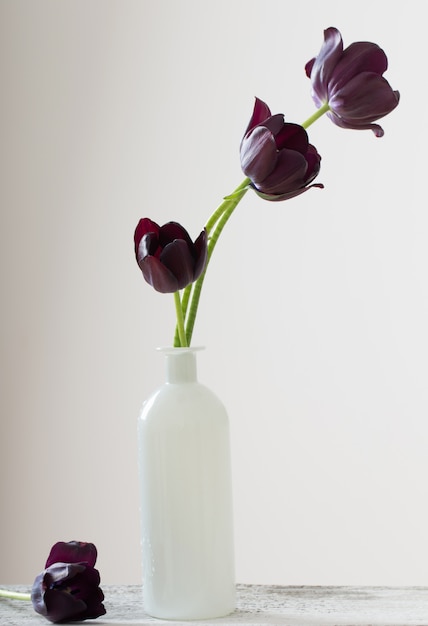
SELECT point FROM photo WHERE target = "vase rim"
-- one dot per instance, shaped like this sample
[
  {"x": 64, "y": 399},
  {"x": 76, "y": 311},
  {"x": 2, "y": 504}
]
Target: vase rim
[{"x": 175, "y": 350}]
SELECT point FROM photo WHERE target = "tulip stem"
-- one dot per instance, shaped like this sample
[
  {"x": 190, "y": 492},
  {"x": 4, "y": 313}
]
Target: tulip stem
[
  {"x": 14, "y": 595},
  {"x": 236, "y": 195},
  {"x": 319, "y": 113},
  {"x": 214, "y": 227},
  {"x": 184, "y": 303},
  {"x": 180, "y": 320}
]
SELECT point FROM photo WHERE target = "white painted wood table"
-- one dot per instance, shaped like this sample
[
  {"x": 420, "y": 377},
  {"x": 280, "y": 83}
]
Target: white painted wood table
[{"x": 263, "y": 606}]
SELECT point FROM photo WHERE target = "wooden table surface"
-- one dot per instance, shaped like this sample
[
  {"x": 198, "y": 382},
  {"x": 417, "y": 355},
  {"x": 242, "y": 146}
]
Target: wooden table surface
[{"x": 262, "y": 605}]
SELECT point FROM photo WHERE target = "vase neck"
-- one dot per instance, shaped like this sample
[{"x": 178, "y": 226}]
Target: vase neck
[{"x": 181, "y": 366}]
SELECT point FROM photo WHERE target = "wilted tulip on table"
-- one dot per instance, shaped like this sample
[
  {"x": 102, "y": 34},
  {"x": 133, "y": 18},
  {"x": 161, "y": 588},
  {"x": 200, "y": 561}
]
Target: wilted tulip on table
[{"x": 68, "y": 588}]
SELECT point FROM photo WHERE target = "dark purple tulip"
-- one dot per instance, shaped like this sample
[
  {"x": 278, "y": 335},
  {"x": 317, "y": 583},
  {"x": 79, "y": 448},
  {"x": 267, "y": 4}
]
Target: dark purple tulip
[
  {"x": 167, "y": 256},
  {"x": 277, "y": 156},
  {"x": 351, "y": 82},
  {"x": 68, "y": 589}
]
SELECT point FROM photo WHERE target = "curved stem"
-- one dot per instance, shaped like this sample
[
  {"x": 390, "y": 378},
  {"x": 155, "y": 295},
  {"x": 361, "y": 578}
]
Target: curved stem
[
  {"x": 14, "y": 595},
  {"x": 191, "y": 294},
  {"x": 225, "y": 204},
  {"x": 319, "y": 113},
  {"x": 180, "y": 320},
  {"x": 222, "y": 214}
]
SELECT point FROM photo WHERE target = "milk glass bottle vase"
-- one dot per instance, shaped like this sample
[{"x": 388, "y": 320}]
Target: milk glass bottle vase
[{"x": 186, "y": 497}]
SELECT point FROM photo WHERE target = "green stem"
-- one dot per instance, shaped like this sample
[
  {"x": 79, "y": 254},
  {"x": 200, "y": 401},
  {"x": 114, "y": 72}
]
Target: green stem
[
  {"x": 180, "y": 320},
  {"x": 184, "y": 302},
  {"x": 191, "y": 293},
  {"x": 14, "y": 595},
  {"x": 238, "y": 193},
  {"x": 319, "y": 113},
  {"x": 215, "y": 225}
]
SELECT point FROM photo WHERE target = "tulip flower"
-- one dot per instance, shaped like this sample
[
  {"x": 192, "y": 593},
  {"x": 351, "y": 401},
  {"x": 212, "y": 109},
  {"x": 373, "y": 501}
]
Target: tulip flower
[
  {"x": 68, "y": 588},
  {"x": 350, "y": 84},
  {"x": 276, "y": 156},
  {"x": 166, "y": 255}
]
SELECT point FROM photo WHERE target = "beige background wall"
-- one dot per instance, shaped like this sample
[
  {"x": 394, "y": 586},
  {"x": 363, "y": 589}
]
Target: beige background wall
[{"x": 314, "y": 314}]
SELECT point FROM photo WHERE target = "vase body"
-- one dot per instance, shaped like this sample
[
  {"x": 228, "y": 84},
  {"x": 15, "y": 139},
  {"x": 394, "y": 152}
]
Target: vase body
[{"x": 186, "y": 497}]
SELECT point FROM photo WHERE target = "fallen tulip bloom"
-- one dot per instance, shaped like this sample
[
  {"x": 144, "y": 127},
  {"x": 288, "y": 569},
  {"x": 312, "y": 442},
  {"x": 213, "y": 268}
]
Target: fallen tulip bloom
[
  {"x": 351, "y": 83},
  {"x": 166, "y": 255},
  {"x": 277, "y": 156},
  {"x": 68, "y": 588}
]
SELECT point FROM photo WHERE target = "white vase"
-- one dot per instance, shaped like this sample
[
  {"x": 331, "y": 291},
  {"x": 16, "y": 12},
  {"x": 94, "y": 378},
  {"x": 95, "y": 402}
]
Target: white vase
[{"x": 186, "y": 497}]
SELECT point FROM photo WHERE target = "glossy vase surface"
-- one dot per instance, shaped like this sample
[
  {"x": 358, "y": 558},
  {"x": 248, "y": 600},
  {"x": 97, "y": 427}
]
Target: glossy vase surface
[{"x": 186, "y": 497}]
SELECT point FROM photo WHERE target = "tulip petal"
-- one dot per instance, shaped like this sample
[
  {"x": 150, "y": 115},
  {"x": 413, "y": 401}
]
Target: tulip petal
[
  {"x": 177, "y": 258},
  {"x": 314, "y": 164},
  {"x": 359, "y": 57},
  {"x": 293, "y": 137},
  {"x": 85, "y": 581},
  {"x": 173, "y": 230},
  {"x": 261, "y": 112},
  {"x": 201, "y": 254},
  {"x": 72, "y": 552},
  {"x": 157, "y": 275},
  {"x": 275, "y": 124},
  {"x": 376, "y": 128},
  {"x": 370, "y": 97},
  {"x": 63, "y": 571},
  {"x": 288, "y": 195},
  {"x": 144, "y": 226},
  {"x": 62, "y": 606},
  {"x": 149, "y": 246},
  {"x": 94, "y": 606},
  {"x": 37, "y": 594},
  {"x": 350, "y": 125},
  {"x": 258, "y": 154},
  {"x": 289, "y": 173},
  {"x": 321, "y": 68}
]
